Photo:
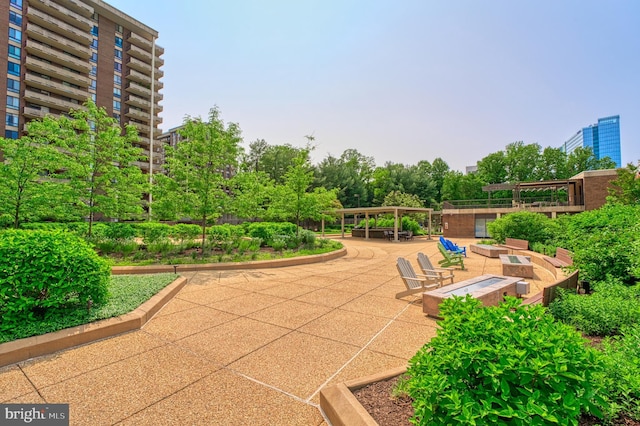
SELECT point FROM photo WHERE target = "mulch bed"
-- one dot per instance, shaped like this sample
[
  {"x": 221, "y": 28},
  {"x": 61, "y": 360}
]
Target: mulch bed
[{"x": 387, "y": 410}]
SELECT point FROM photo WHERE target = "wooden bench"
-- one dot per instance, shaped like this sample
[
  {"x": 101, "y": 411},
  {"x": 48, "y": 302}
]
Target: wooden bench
[
  {"x": 515, "y": 244},
  {"x": 548, "y": 293},
  {"x": 563, "y": 258}
]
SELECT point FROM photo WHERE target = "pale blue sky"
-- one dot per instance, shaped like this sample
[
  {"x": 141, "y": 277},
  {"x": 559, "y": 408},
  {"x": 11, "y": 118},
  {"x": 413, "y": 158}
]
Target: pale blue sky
[{"x": 401, "y": 80}]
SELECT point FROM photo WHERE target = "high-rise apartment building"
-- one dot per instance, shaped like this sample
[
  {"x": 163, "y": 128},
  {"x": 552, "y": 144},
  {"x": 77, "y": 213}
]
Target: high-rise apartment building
[
  {"x": 603, "y": 138},
  {"x": 58, "y": 53}
]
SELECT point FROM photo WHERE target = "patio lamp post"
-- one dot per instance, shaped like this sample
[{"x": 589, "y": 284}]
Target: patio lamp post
[{"x": 357, "y": 213}]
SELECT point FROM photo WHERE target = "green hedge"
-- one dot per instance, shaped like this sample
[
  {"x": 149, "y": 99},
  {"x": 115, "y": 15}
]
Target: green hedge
[
  {"x": 45, "y": 272},
  {"x": 270, "y": 231},
  {"x": 509, "y": 364}
]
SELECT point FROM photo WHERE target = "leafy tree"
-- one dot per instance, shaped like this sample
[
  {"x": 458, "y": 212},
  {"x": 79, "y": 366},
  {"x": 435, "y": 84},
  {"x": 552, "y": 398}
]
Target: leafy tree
[
  {"x": 274, "y": 160},
  {"x": 493, "y": 168},
  {"x": 250, "y": 194},
  {"x": 457, "y": 186},
  {"x": 582, "y": 159},
  {"x": 552, "y": 165},
  {"x": 195, "y": 185},
  {"x": 350, "y": 175},
  {"x": 22, "y": 186},
  {"x": 293, "y": 201},
  {"x": 626, "y": 188},
  {"x": 521, "y": 161},
  {"x": 397, "y": 198},
  {"x": 439, "y": 169},
  {"x": 525, "y": 225},
  {"x": 98, "y": 163}
]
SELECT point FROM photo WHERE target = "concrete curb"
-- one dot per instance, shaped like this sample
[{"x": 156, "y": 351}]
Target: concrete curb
[
  {"x": 342, "y": 408},
  {"x": 228, "y": 266},
  {"x": 30, "y": 347}
]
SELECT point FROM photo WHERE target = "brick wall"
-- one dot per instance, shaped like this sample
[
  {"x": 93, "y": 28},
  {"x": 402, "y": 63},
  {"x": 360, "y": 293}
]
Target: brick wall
[
  {"x": 458, "y": 225},
  {"x": 595, "y": 190}
]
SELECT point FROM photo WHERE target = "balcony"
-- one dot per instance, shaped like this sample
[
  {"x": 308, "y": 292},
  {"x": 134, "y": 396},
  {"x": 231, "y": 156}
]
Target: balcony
[
  {"x": 143, "y": 141},
  {"x": 143, "y": 128},
  {"x": 33, "y": 80},
  {"x": 158, "y": 73},
  {"x": 49, "y": 101},
  {"x": 56, "y": 71},
  {"x": 53, "y": 39},
  {"x": 139, "y": 41},
  {"x": 137, "y": 101},
  {"x": 62, "y": 13},
  {"x": 54, "y": 24},
  {"x": 159, "y": 62},
  {"x": 137, "y": 89},
  {"x": 79, "y": 7},
  {"x": 139, "y": 53},
  {"x": 158, "y": 85},
  {"x": 139, "y": 77},
  {"x": 34, "y": 112},
  {"x": 138, "y": 65},
  {"x": 158, "y": 96},
  {"x": 137, "y": 114},
  {"x": 49, "y": 53}
]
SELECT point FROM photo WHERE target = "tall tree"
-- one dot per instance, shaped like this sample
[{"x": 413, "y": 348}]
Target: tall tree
[
  {"x": 195, "y": 185},
  {"x": 493, "y": 168},
  {"x": 98, "y": 165},
  {"x": 250, "y": 194},
  {"x": 521, "y": 161},
  {"x": 24, "y": 188},
  {"x": 457, "y": 186},
  {"x": 582, "y": 159},
  {"x": 626, "y": 188}
]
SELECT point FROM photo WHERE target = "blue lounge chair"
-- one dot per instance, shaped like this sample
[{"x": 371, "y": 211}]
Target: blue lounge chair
[{"x": 453, "y": 247}]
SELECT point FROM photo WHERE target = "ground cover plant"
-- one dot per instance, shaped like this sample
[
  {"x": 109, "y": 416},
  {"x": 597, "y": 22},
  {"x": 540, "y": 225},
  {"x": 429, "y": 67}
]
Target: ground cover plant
[
  {"x": 508, "y": 364},
  {"x": 125, "y": 293}
]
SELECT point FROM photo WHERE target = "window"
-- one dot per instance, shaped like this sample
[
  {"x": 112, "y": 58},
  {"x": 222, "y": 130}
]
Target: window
[
  {"x": 11, "y": 134},
  {"x": 13, "y": 102},
  {"x": 15, "y": 35},
  {"x": 12, "y": 120},
  {"x": 94, "y": 43},
  {"x": 117, "y": 66},
  {"x": 94, "y": 57},
  {"x": 117, "y": 79},
  {"x": 13, "y": 68},
  {"x": 93, "y": 97},
  {"x": 13, "y": 85},
  {"x": 116, "y": 116},
  {"x": 118, "y": 54},
  {"x": 17, "y": 3},
  {"x": 119, "y": 28},
  {"x": 117, "y": 92},
  {"x": 15, "y": 18},
  {"x": 94, "y": 70},
  {"x": 93, "y": 84},
  {"x": 118, "y": 41},
  {"x": 116, "y": 105},
  {"x": 14, "y": 51},
  {"x": 94, "y": 30}
]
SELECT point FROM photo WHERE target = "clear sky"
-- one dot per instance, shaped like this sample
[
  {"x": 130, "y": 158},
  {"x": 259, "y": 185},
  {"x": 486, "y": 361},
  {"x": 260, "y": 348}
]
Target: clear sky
[{"x": 401, "y": 80}]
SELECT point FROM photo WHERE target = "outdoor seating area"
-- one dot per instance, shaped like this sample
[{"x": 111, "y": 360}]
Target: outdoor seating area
[
  {"x": 449, "y": 258},
  {"x": 452, "y": 247},
  {"x": 217, "y": 346}
]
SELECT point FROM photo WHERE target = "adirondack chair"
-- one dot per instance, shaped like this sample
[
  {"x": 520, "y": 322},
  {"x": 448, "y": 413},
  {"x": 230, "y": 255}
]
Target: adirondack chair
[
  {"x": 450, "y": 259},
  {"x": 453, "y": 247},
  {"x": 414, "y": 283},
  {"x": 439, "y": 275}
]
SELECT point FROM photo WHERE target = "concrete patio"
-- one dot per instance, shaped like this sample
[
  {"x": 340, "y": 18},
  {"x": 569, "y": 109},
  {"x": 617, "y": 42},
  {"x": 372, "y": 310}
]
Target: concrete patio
[{"x": 248, "y": 347}]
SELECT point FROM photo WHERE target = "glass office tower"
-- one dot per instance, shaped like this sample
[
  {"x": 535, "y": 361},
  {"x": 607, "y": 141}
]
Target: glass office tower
[{"x": 603, "y": 138}]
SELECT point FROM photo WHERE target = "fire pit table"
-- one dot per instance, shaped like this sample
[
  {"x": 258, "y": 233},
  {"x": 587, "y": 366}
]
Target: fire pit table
[
  {"x": 515, "y": 265},
  {"x": 490, "y": 289}
]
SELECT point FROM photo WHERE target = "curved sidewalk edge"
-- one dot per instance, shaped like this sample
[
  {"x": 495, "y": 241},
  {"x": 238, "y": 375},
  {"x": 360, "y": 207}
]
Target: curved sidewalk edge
[
  {"x": 228, "y": 266},
  {"x": 31, "y": 347}
]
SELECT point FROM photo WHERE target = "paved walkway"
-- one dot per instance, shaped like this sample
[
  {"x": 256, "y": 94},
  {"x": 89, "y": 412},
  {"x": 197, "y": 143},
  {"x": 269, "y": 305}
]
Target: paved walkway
[{"x": 251, "y": 347}]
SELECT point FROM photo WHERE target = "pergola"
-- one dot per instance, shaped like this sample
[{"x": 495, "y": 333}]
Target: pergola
[{"x": 397, "y": 211}]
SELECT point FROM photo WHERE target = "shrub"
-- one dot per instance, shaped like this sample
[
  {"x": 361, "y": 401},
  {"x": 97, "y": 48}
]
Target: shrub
[
  {"x": 525, "y": 225},
  {"x": 6, "y": 220},
  {"x": 268, "y": 230},
  {"x": 152, "y": 232},
  {"x": 120, "y": 231},
  {"x": 612, "y": 306},
  {"x": 507, "y": 364},
  {"x": 408, "y": 224},
  {"x": 184, "y": 231},
  {"x": 604, "y": 242},
  {"x": 621, "y": 375},
  {"x": 43, "y": 273},
  {"x": 308, "y": 238}
]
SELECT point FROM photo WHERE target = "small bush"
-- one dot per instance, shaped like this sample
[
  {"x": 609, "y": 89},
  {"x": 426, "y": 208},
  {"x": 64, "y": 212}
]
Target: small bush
[
  {"x": 120, "y": 231},
  {"x": 525, "y": 225},
  {"x": 308, "y": 238},
  {"x": 43, "y": 273},
  {"x": 605, "y": 312},
  {"x": 185, "y": 232},
  {"x": 507, "y": 364},
  {"x": 267, "y": 231},
  {"x": 621, "y": 375},
  {"x": 152, "y": 231}
]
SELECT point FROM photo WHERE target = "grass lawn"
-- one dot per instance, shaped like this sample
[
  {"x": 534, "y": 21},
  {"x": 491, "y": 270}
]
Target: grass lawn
[{"x": 126, "y": 293}]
